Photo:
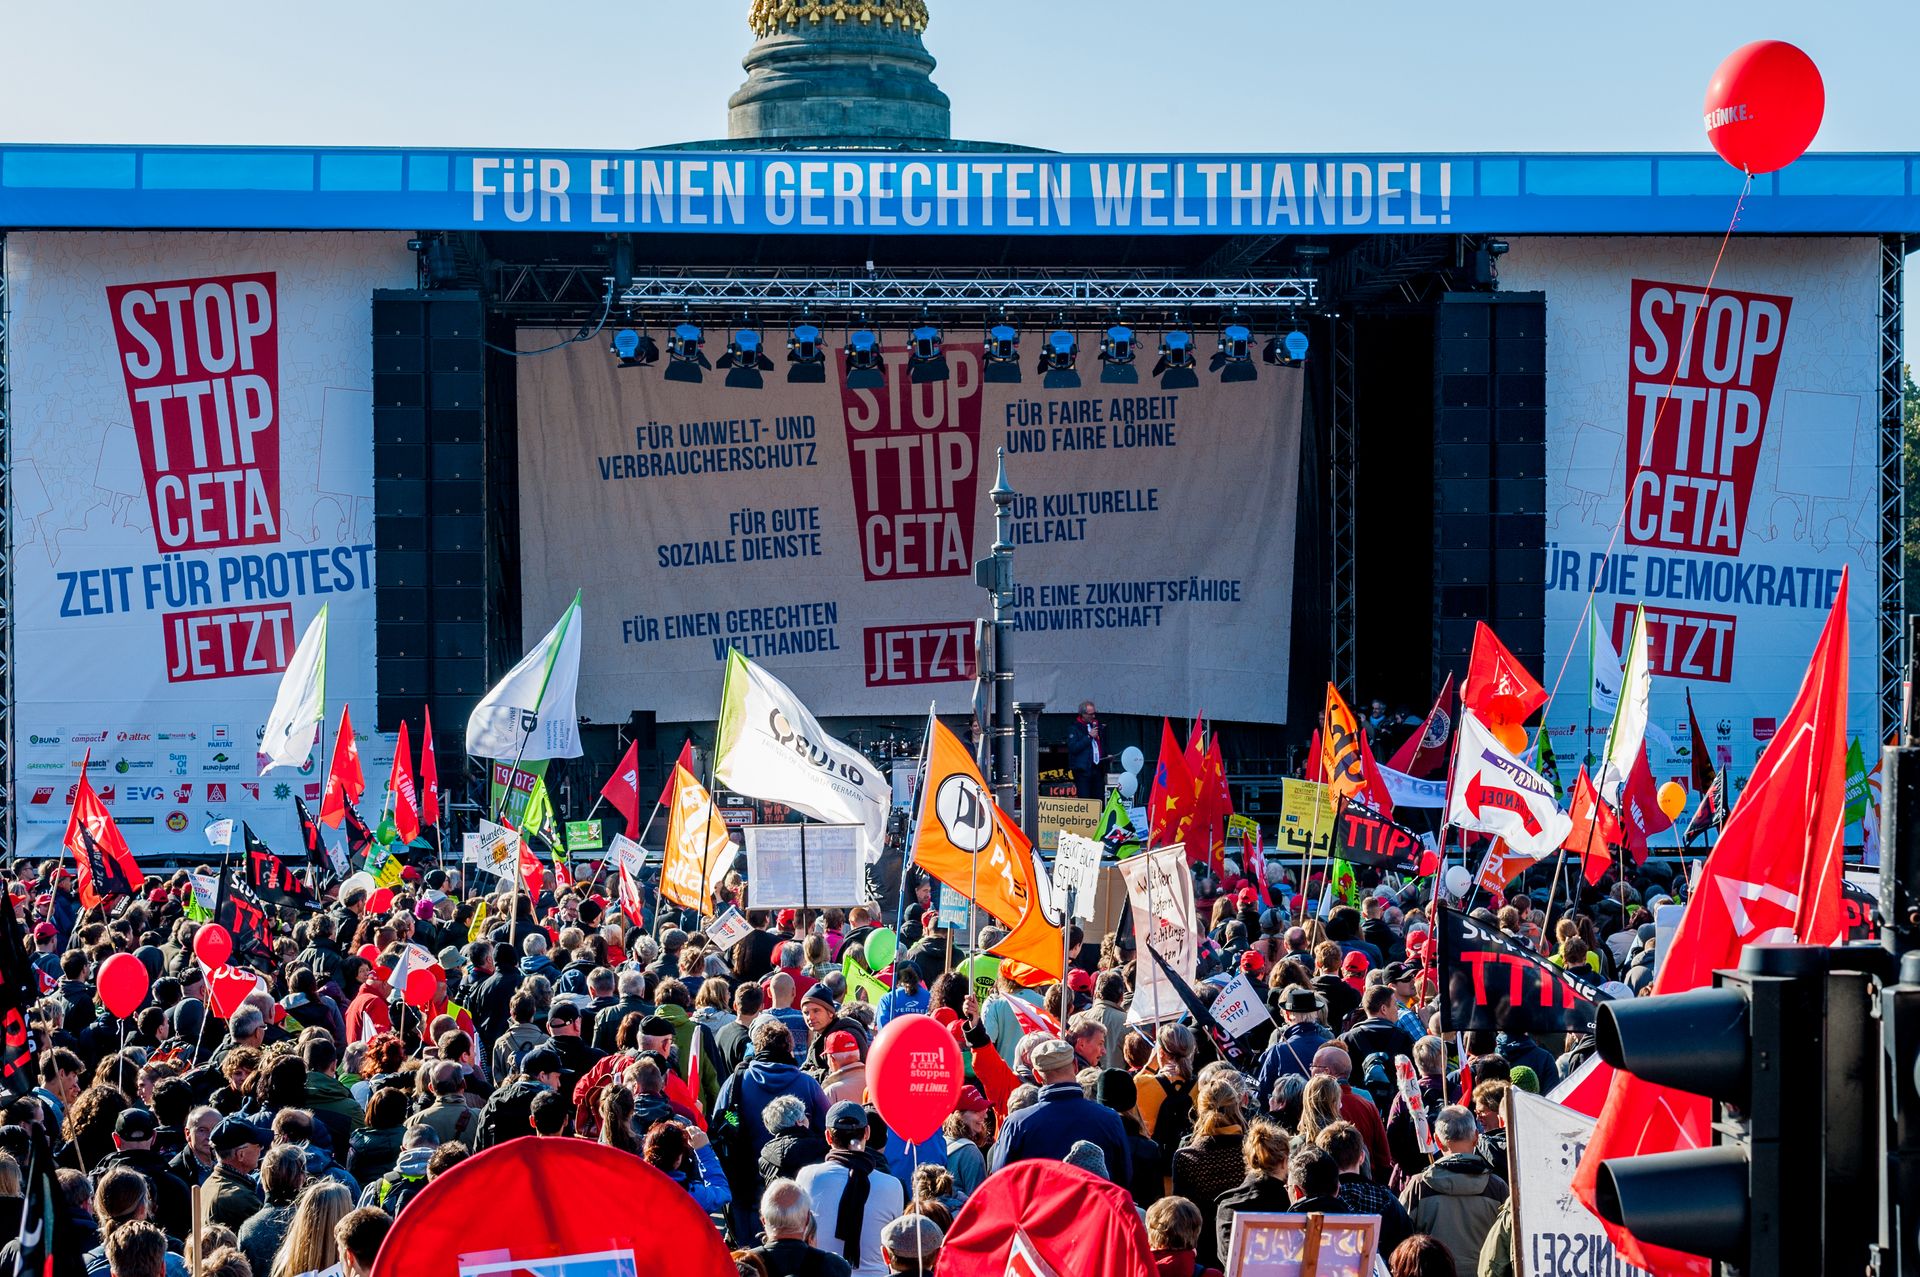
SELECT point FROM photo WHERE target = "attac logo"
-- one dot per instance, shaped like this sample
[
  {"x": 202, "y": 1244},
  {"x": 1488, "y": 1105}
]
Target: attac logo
[
  {"x": 177, "y": 821},
  {"x": 133, "y": 736}
]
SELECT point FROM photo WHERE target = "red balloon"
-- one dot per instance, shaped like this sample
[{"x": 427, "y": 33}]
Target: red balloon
[
  {"x": 1764, "y": 105},
  {"x": 380, "y": 901},
  {"x": 212, "y": 945},
  {"x": 914, "y": 1075},
  {"x": 123, "y": 984},
  {"x": 370, "y": 953},
  {"x": 421, "y": 987}
]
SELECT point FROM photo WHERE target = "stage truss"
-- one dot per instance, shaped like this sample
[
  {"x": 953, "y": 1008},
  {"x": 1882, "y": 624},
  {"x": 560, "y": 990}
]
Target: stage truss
[
  {"x": 9, "y": 814},
  {"x": 1893, "y": 491}
]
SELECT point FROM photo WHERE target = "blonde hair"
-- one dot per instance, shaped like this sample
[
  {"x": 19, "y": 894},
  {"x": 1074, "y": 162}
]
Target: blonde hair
[
  {"x": 1264, "y": 1149},
  {"x": 1216, "y": 1107},
  {"x": 310, "y": 1246},
  {"x": 1319, "y": 1107},
  {"x": 1173, "y": 1223}
]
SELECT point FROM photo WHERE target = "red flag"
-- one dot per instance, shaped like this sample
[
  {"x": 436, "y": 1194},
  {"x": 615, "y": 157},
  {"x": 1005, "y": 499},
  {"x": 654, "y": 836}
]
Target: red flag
[
  {"x": 622, "y": 789},
  {"x": 106, "y": 868},
  {"x": 1425, "y": 752},
  {"x": 1640, "y": 814},
  {"x": 1494, "y": 672},
  {"x": 666, "y": 791},
  {"x": 531, "y": 874},
  {"x": 1375, "y": 793},
  {"x": 630, "y": 902},
  {"x": 1596, "y": 829},
  {"x": 429, "y": 774},
  {"x": 1217, "y": 778},
  {"x": 1773, "y": 876},
  {"x": 1196, "y": 752},
  {"x": 1700, "y": 761},
  {"x": 345, "y": 784},
  {"x": 1170, "y": 801},
  {"x": 406, "y": 803},
  {"x": 1315, "y": 771}
]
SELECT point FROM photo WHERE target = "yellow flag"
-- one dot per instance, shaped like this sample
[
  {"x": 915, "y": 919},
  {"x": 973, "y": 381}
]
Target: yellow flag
[
  {"x": 477, "y": 929},
  {"x": 697, "y": 850}
]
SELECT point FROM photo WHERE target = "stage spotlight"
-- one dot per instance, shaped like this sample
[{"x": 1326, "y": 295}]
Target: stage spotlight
[
  {"x": 865, "y": 369},
  {"x": 1233, "y": 360},
  {"x": 745, "y": 360},
  {"x": 926, "y": 359},
  {"x": 1175, "y": 367},
  {"x": 1058, "y": 354},
  {"x": 685, "y": 359},
  {"x": 1003, "y": 355},
  {"x": 806, "y": 357},
  {"x": 1116, "y": 357},
  {"x": 635, "y": 349},
  {"x": 1288, "y": 349}
]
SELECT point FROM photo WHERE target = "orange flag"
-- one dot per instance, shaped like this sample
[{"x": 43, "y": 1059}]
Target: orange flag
[
  {"x": 967, "y": 842},
  {"x": 697, "y": 850}
]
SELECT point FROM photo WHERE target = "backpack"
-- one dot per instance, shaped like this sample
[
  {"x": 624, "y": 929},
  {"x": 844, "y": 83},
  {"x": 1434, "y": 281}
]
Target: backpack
[{"x": 1174, "y": 1122}]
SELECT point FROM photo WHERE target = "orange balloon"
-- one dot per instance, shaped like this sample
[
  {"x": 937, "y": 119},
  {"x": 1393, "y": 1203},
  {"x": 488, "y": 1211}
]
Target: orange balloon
[
  {"x": 1512, "y": 735},
  {"x": 1673, "y": 799},
  {"x": 1505, "y": 709}
]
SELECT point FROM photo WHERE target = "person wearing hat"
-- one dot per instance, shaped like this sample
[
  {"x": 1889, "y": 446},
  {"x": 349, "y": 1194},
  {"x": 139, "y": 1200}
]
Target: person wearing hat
[
  {"x": 846, "y": 1077},
  {"x": 853, "y": 1202},
  {"x": 966, "y": 1134},
  {"x": 1294, "y": 1045},
  {"x": 821, "y": 1014},
  {"x": 509, "y": 1111},
  {"x": 231, "y": 1194},
  {"x": 46, "y": 952},
  {"x": 911, "y": 1245},
  {"x": 1063, "y": 1116},
  {"x": 1115, "y": 1089},
  {"x": 577, "y": 1055},
  {"x": 134, "y": 1134}
]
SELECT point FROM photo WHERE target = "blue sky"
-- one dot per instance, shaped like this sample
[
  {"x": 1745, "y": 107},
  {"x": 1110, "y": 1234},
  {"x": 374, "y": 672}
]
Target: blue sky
[{"x": 1124, "y": 75}]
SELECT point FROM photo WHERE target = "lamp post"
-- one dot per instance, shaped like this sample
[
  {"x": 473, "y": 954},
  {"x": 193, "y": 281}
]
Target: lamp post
[{"x": 994, "y": 574}]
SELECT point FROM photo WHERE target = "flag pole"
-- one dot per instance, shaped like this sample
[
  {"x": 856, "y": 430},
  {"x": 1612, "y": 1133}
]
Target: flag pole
[{"x": 913, "y": 834}]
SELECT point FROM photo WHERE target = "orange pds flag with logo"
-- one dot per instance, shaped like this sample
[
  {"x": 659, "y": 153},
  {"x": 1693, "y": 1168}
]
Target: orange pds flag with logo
[
  {"x": 967, "y": 842},
  {"x": 697, "y": 851}
]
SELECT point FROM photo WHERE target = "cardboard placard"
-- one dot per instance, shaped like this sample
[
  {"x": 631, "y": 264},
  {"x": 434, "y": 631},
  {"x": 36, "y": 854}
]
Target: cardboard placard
[
  {"x": 1270, "y": 1244},
  {"x": 1066, "y": 815}
]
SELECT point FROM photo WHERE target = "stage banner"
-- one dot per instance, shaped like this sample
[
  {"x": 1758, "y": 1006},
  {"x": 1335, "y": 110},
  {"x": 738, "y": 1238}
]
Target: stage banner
[
  {"x": 831, "y": 534},
  {"x": 1758, "y": 485},
  {"x": 192, "y": 421}
]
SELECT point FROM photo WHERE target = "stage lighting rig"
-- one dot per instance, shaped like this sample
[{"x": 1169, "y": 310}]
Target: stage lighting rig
[
  {"x": 926, "y": 357},
  {"x": 1058, "y": 355},
  {"x": 745, "y": 360},
  {"x": 1116, "y": 357},
  {"x": 1233, "y": 359},
  {"x": 685, "y": 359},
  {"x": 1003, "y": 355},
  {"x": 806, "y": 356},
  {"x": 865, "y": 368},
  {"x": 635, "y": 349},
  {"x": 1288, "y": 349},
  {"x": 1175, "y": 367}
]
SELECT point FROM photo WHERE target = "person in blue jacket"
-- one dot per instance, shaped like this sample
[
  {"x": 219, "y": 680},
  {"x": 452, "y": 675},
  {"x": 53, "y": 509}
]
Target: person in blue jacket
[
  {"x": 744, "y": 1097},
  {"x": 1293, "y": 1046},
  {"x": 908, "y": 996},
  {"x": 1063, "y": 1117},
  {"x": 669, "y": 1148}
]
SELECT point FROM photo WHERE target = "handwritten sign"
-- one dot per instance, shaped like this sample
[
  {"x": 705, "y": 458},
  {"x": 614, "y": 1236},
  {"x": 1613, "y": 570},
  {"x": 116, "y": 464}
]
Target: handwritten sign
[
  {"x": 1555, "y": 1236},
  {"x": 1266, "y": 1244},
  {"x": 1076, "y": 872},
  {"x": 491, "y": 849}
]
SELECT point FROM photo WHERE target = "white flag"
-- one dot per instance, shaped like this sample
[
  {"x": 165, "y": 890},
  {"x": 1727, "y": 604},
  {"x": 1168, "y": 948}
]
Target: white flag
[
  {"x": 300, "y": 703},
  {"x": 1604, "y": 664},
  {"x": 771, "y": 746},
  {"x": 1160, "y": 887},
  {"x": 530, "y": 714},
  {"x": 1492, "y": 791},
  {"x": 1629, "y": 730}
]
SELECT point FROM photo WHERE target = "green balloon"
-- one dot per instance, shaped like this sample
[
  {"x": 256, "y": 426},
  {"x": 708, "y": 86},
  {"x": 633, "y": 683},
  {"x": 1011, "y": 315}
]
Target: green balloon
[
  {"x": 881, "y": 946},
  {"x": 387, "y": 832}
]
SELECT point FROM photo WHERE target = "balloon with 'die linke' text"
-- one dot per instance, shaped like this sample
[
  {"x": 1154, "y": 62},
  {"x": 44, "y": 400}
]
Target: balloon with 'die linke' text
[
  {"x": 914, "y": 1075},
  {"x": 1764, "y": 105}
]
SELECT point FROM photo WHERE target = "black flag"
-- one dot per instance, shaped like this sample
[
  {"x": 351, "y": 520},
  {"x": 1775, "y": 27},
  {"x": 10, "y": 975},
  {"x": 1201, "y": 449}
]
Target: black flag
[
  {"x": 245, "y": 918},
  {"x": 316, "y": 851},
  {"x": 1229, "y": 1046},
  {"x": 1488, "y": 981},
  {"x": 1364, "y": 837},
  {"x": 271, "y": 878},
  {"x": 18, "y": 993},
  {"x": 359, "y": 837},
  {"x": 1709, "y": 814},
  {"x": 38, "y": 1221}
]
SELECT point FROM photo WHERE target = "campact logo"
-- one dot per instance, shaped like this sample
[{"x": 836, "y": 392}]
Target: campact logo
[
  {"x": 146, "y": 793},
  {"x": 177, "y": 821},
  {"x": 43, "y": 794},
  {"x": 90, "y": 738}
]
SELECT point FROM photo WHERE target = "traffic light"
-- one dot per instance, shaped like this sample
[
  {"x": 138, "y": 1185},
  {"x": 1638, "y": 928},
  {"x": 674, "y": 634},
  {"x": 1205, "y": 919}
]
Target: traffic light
[{"x": 1785, "y": 1048}]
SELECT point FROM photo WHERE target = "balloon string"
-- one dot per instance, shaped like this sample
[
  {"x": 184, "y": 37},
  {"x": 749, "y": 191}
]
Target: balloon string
[{"x": 1647, "y": 450}]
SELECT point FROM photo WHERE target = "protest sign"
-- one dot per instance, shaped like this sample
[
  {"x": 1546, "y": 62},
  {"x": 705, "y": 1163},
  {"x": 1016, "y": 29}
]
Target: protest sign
[
  {"x": 1306, "y": 819},
  {"x": 627, "y": 853},
  {"x": 1240, "y": 1009},
  {"x": 1553, "y": 1234},
  {"x": 1270, "y": 1244},
  {"x": 806, "y": 866},
  {"x": 1365, "y": 837},
  {"x": 492, "y": 849},
  {"x": 1860, "y": 903},
  {"x": 1490, "y": 982},
  {"x": 584, "y": 835},
  {"x": 1076, "y": 873},
  {"x": 1066, "y": 815},
  {"x": 983, "y": 969},
  {"x": 1160, "y": 889},
  {"x": 729, "y": 929}
]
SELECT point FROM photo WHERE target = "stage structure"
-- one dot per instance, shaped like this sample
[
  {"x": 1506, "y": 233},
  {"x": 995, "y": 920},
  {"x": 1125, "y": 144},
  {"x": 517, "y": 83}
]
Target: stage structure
[{"x": 236, "y": 383}]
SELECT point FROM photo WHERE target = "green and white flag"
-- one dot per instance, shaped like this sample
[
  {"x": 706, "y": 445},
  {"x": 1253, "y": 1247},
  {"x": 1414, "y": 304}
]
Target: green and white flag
[
  {"x": 770, "y": 746},
  {"x": 301, "y": 702},
  {"x": 1629, "y": 731},
  {"x": 530, "y": 713},
  {"x": 537, "y": 816}
]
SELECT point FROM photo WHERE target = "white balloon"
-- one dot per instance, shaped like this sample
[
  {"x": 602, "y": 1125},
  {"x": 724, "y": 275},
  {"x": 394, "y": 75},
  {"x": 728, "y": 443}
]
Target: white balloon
[
  {"x": 1457, "y": 880},
  {"x": 1129, "y": 785},
  {"x": 1133, "y": 760}
]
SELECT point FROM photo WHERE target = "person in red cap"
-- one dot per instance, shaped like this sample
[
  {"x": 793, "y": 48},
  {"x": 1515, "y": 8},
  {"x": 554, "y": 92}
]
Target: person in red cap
[
  {"x": 846, "y": 1077},
  {"x": 1353, "y": 967}
]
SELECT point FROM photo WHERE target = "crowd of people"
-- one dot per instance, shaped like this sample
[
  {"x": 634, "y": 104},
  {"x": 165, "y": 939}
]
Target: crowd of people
[{"x": 315, "y": 1111}]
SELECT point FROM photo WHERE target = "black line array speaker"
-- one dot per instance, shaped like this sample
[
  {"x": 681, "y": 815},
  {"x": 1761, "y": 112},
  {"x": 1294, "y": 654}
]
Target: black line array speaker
[
  {"x": 430, "y": 512},
  {"x": 1489, "y": 475}
]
